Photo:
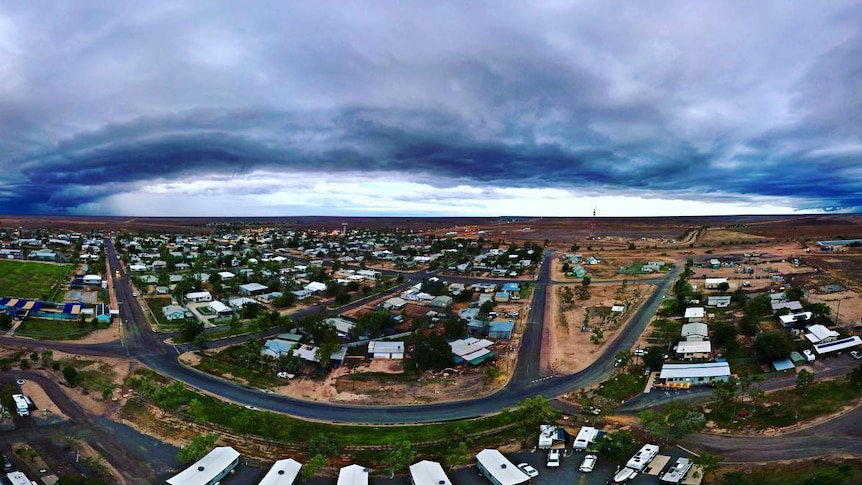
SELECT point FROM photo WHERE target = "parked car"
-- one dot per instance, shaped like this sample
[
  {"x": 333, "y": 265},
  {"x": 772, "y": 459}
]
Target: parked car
[
  {"x": 553, "y": 459},
  {"x": 529, "y": 470},
  {"x": 285, "y": 375},
  {"x": 592, "y": 410},
  {"x": 856, "y": 354},
  {"x": 135, "y": 294},
  {"x": 639, "y": 352},
  {"x": 588, "y": 463}
]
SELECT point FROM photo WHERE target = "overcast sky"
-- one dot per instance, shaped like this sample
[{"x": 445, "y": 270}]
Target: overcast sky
[{"x": 430, "y": 108}]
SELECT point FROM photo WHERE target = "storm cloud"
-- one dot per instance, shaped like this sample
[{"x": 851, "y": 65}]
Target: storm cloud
[{"x": 208, "y": 108}]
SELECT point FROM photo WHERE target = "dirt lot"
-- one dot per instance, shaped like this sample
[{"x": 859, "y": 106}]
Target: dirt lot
[{"x": 565, "y": 348}]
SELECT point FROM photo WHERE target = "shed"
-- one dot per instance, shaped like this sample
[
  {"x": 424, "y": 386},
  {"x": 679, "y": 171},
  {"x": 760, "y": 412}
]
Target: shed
[
  {"x": 442, "y": 301},
  {"x": 380, "y": 349},
  {"x": 250, "y": 289},
  {"x": 797, "y": 358},
  {"x": 783, "y": 365},
  {"x": 501, "y": 329}
]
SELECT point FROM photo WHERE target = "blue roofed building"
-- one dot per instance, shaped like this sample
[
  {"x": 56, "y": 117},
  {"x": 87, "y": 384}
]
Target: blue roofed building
[{"x": 501, "y": 330}]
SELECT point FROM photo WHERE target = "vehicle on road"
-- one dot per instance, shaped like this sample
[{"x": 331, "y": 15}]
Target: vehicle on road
[
  {"x": 529, "y": 470},
  {"x": 7, "y": 465},
  {"x": 135, "y": 294},
  {"x": 553, "y": 459},
  {"x": 251, "y": 408},
  {"x": 588, "y": 463},
  {"x": 856, "y": 354}
]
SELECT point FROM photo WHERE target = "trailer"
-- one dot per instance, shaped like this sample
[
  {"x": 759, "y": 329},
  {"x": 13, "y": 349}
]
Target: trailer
[
  {"x": 642, "y": 458},
  {"x": 623, "y": 476},
  {"x": 675, "y": 474},
  {"x": 22, "y": 404},
  {"x": 586, "y": 436}
]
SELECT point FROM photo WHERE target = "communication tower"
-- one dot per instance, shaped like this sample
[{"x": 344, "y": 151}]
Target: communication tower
[{"x": 593, "y": 225}]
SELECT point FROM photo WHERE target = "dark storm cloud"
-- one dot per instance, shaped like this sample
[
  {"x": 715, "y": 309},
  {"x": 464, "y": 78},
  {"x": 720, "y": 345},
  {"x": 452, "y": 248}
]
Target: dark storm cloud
[{"x": 704, "y": 101}]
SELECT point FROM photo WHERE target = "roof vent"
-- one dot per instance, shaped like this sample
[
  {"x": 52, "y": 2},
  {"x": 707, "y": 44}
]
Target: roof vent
[
  {"x": 442, "y": 482},
  {"x": 281, "y": 472},
  {"x": 200, "y": 468},
  {"x": 503, "y": 465}
]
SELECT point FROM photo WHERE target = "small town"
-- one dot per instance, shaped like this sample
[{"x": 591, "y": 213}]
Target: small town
[{"x": 621, "y": 358}]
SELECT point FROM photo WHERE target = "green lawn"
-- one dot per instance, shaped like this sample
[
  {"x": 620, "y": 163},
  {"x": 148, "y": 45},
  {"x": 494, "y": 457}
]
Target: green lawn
[
  {"x": 54, "y": 329},
  {"x": 22, "y": 279},
  {"x": 156, "y": 305}
]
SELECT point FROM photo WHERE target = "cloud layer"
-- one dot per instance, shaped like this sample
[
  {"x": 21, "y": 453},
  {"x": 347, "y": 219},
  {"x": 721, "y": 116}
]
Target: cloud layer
[{"x": 542, "y": 108}]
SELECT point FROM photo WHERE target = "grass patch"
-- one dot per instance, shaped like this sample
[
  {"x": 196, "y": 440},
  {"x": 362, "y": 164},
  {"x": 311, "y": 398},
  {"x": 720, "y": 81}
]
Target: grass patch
[
  {"x": 156, "y": 305},
  {"x": 787, "y": 407},
  {"x": 92, "y": 375},
  {"x": 55, "y": 329},
  {"x": 622, "y": 386},
  {"x": 254, "y": 377},
  {"x": 817, "y": 471},
  {"x": 32, "y": 280}
]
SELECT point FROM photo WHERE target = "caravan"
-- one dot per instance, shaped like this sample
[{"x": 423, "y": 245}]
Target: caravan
[
  {"x": 22, "y": 404},
  {"x": 642, "y": 458}
]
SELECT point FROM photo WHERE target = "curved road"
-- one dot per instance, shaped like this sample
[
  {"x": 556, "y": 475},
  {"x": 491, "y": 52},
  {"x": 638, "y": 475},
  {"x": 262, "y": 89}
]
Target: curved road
[{"x": 142, "y": 344}]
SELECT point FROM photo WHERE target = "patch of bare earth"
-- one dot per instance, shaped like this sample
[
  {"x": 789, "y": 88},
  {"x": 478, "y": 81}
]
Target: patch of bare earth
[{"x": 565, "y": 348}]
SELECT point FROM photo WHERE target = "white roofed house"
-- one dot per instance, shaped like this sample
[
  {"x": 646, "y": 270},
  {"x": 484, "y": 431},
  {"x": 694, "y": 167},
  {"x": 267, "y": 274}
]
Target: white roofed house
[
  {"x": 695, "y": 374},
  {"x": 379, "y": 349},
  {"x": 693, "y": 350},
  {"x": 714, "y": 283},
  {"x": 220, "y": 308},
  {"x": 694, "y": 331},
  {"x": 694, "y": 314},
  {"x": 718, "y": 301},
  {"x": 315, "y": 287},
  {"x": 818, "y": 334},
  {"x": 791, "y": 320},
  {"x": 199, "y": 296},
  {"x": 251, "y": 289}
]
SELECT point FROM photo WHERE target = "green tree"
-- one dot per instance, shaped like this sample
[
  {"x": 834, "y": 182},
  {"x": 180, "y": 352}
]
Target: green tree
[
  {"x": 774, "y": 345},
  {"x": 708, "y": 463},
  {"x": 70, "y": 374},
  {"x": 80, "y": 480},
  {"x": 616, "y": 444},
  {"x": 457, "y": 455},
  {"x": 725, "y": 393},
  {"x": 197, "y": 448},
  {"x": 723, "y": 287},
  {"x": 311, "y": 467},
  {"x": 325, "y": 444},
  {"x": 597, "y": 336},
  {"x": 534, "y": 411},
  {"x": 400, "y": 457},
  {"x": 855, "y": 377},
  {"x": 5, "y": 321},
  {"x": 674, "y": 421},
  {"x": 804, "y": 379},
  {"x": 654, "y": 357}
]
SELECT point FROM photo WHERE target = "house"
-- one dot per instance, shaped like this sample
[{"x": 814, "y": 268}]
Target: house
[
  {"x": 301, "y": 294},
  {"x": 220, "y": 308},
  {"x": 837, "y": 345},
  {"x": 695, "y": 349},
  {"x": 714, "y": 283},
  {"x": 818, "y": 334},
  {"x": 162, "y": 290},
  {"x": 237, "y": 303},
  {"x": 380, "y": 349},
  {"x": 694, "y": 314},
  {"x": 283, "y": 472},
  {"x": 512, "y": 288},
  {"x": 199, "y": 296},
  {"x": 173, "y": 312},
  {"x": 226, "y": 275},
  {"x": 341, "y": 325},
  {"x": 695, "y": 374},
  {"x": 210, "y": 469},
  {"x": 251, "y": 289},
  {"x": 428, "y": 473},
  {"x": 44, "y": 255},
  {"x": 353, "y": 475},
  {"x": 791, "y": 319},
  {"x": 442, "y": 301},
  {"x": 472, "y": 350},
  {"x": 275, "y": 348},
  {"x": 498, "y": 469},
  {"x": 501, "y": 297},
  {"x": 719, "y": 301},
  {"x": 501, "y": 329},
  {"x": 793, "y": 306},
  {"x": 315, "y": 287},
  {"x": 394, "y": 304},
  {"x": 693, "y": 332},
  {"x": 159, "y": 265},
  {"x": 577, "y": 271},
  {"x": 618, "y": 309},
  {"x": 269, "y": 297}
]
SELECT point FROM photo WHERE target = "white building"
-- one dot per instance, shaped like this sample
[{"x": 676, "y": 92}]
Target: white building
[
  {"x": 210, "y": 469},
  {"x": 428, "y": 473},
  {"x": 283, "y": 472},
  {"x": 818, "y": 334},
  {"x": 498, "y": 469},
  {"x": 694, "y": 314},
  {"x": 695, "y": 349},
  {"x": 695, "y": 374},
  {"x": 199, "y": 296},
  {"x": 380, "y": 349},
  {"x": 353, "y": 475}
]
